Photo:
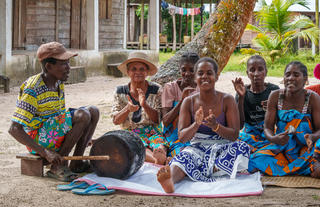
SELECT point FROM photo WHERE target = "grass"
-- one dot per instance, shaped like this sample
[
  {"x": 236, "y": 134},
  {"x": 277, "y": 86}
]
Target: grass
[
  {"x": 237, "y": 62},
  {"x": 164, "y": 56}
]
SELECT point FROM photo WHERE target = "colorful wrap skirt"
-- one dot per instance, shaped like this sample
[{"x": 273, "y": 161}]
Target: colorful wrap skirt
[
  {"x": 171, "y": 134},
  {"x": 151, "y": 136},
  {"x": 292, "y": 158},
  {"x": 253, "y": 136},
  {"x": 51, "y": 132},
  {"x": 210, "y": 156}
]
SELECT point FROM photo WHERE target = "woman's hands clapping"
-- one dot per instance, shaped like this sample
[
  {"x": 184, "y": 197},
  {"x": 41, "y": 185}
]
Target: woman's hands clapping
[
  {"x": 209, "y": 121},
  {"x": 130, "y": 106}
]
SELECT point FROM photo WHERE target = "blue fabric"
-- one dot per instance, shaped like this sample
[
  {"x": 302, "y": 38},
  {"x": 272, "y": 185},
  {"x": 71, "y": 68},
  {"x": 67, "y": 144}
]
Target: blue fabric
[
  {"x": 292, "y": 158},
  {"x": 253, "y": 136}
]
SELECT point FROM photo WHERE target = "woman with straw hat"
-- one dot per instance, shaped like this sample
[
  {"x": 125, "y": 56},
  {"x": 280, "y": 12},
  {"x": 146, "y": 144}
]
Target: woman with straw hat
[{"x": 137, "y": 106}]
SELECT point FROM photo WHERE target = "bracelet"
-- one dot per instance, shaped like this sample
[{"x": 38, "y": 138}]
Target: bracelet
[{"x": 216, "y": 129}]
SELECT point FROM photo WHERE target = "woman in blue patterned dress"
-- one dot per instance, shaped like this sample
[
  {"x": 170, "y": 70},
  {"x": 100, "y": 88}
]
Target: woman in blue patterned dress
[
  {"x": 210, "y": 121},
  {"x": 293, "y": 151}
]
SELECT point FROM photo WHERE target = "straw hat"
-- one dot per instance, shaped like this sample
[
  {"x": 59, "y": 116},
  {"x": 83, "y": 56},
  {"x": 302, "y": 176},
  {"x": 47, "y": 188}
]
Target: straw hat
[
  {"x": 138, "y": 57},
  {"x": 316, "y": 71}
]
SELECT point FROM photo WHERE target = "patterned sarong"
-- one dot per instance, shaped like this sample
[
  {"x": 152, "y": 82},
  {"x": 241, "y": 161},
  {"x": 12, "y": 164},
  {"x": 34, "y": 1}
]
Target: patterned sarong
[
  {"x": 211, "y": 155},
  {"x": 151, "y": 136},
  {"x": 51, "y": 132},
  {"x": 253, "y": 136},
  {"x": 171, "y": 134},
  {"x": 292, "y": 158}
]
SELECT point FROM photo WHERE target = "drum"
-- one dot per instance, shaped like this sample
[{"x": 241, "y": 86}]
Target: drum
[{"x": 126, "y": 150}]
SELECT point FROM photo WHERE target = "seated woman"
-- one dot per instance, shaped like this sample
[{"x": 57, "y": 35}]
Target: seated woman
[
  {"x": 41, "y": 121},
  {"x": 252, "y": 102},
  {"x": 316, "y": 73},
  {"x": 295, "y": 114},
  {"x": 137, "y": 106},
  {"x": 210, "y": 120},
  {"x": 172, "y": 96}
]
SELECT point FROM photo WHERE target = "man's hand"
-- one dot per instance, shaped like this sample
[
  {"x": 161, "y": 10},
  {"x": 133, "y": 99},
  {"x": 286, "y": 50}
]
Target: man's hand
[{"x": 53, "y": 157}]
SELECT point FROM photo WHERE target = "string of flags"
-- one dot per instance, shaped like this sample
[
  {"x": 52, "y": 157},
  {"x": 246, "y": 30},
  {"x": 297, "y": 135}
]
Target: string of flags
[{"x": 182, "y": 11}]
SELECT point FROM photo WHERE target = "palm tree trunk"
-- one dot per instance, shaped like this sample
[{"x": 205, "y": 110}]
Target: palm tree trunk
[{"x": 217, "y": 38}]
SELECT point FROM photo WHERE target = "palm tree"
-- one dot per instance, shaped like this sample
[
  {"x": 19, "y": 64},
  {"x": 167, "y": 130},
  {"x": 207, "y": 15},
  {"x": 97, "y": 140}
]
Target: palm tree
[{"x": 278, "y": 27}]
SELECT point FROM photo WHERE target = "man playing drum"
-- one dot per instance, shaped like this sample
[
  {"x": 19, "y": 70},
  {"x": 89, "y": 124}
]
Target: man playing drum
[{"x": 41, "y": 121}]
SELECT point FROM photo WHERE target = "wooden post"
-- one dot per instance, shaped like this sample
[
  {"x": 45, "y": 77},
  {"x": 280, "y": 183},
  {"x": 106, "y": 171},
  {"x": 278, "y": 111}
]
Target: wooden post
[
  {"x": 128, "y": 23},
  {"x": 141, "y": 25},
  {"x": 186, "y": 32},
  {"x": 192, "y": 22},
  {"x": 210, "y": 7},
  {"x": 57, "y": 21},
  {"x": 180, "y": 23},
  {"x": 174, "y": 32},
  {"x": 201, "y": 14}
]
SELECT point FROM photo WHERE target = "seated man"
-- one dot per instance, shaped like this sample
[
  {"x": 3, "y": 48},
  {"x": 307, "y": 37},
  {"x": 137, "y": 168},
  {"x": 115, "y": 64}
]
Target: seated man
[{"x": 41, "y": 121}]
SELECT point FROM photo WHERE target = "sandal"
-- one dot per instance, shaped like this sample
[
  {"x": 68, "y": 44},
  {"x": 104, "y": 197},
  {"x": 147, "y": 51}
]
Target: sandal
[
  {"x": 95, "y": 189},
  {"x": 63, "y": 174},
  {"x": 73, "y": 185}
]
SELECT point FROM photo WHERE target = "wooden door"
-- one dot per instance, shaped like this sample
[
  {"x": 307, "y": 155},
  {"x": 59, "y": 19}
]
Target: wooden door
[
  {"x": 19, "y": 24},
  {"x": 78, "y": 24}
]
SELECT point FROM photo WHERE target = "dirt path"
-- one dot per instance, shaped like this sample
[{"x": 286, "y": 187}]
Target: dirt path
[{"x": 18, "y": 190}]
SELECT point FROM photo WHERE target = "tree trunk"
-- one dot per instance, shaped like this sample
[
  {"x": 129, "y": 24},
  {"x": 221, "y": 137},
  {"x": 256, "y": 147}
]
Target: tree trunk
[{"x": 217, "y": 38}]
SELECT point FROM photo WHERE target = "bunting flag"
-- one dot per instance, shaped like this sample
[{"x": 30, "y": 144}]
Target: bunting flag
[{"x": 182, "y": 11}]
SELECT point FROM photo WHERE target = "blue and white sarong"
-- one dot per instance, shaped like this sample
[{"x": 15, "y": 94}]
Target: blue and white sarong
[{"x": 211, "y": 155}]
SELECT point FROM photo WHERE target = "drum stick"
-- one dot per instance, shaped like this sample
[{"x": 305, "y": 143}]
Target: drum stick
[{"x": 100, "y": 157}]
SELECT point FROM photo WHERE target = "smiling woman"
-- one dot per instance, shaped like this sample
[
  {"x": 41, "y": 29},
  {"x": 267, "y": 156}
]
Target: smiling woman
[
  {"x": 138, "y": 104},
  {"x": 210, "y": 121},
  {"x": 296, "y": 152}
]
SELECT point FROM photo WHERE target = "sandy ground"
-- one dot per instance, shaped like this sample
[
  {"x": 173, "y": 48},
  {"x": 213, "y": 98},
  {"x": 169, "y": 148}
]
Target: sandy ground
[{"x": 19, "y": 190}]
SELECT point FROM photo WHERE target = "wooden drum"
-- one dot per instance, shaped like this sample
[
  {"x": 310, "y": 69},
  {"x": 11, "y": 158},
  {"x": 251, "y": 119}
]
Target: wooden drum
[{"x": 126, "y": 150}]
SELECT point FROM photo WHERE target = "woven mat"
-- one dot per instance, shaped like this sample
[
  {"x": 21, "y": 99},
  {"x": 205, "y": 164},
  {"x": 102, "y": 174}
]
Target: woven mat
[{"x": 292, "y": 181}]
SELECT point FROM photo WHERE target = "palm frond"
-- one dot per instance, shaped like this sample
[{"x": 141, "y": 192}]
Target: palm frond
[{"x": 254, "y": 28}]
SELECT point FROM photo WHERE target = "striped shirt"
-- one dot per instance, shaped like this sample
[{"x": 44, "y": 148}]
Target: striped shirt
[{"x": 36, "y": 103}]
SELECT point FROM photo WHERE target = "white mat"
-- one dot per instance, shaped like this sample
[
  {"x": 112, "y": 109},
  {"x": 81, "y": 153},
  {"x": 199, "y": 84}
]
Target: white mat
[{"x": 145, "y": 182}]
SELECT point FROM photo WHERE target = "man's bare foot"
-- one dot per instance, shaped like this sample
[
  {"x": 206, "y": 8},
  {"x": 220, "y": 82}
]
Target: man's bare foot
[
  {"x": 165, "y": 179},
  {"x": 316, "y": 170},
  {"x": 160, "y": 155}
]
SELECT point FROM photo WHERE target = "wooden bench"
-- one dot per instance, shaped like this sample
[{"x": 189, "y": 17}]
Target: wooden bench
[
  {"x": 112, "y": 69},
  {"x": 4, "y": 83},
  {"x": 77, "y": 74},
  {"x": 31, "y": 165}
]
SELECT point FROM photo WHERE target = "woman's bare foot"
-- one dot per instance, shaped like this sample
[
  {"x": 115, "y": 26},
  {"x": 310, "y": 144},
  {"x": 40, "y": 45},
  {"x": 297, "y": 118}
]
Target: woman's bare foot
[
  {"x": 316, "y": 170},
  {"x": 160, "y": 155},
  {"x": 165, "y": 179},
  {"x": 168, "y": 160}
]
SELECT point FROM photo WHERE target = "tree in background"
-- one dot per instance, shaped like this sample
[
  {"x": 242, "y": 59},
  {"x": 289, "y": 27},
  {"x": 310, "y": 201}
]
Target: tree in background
[
  {"x": 278, "y": 27},
  {"x": 217, "y": 38}
]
